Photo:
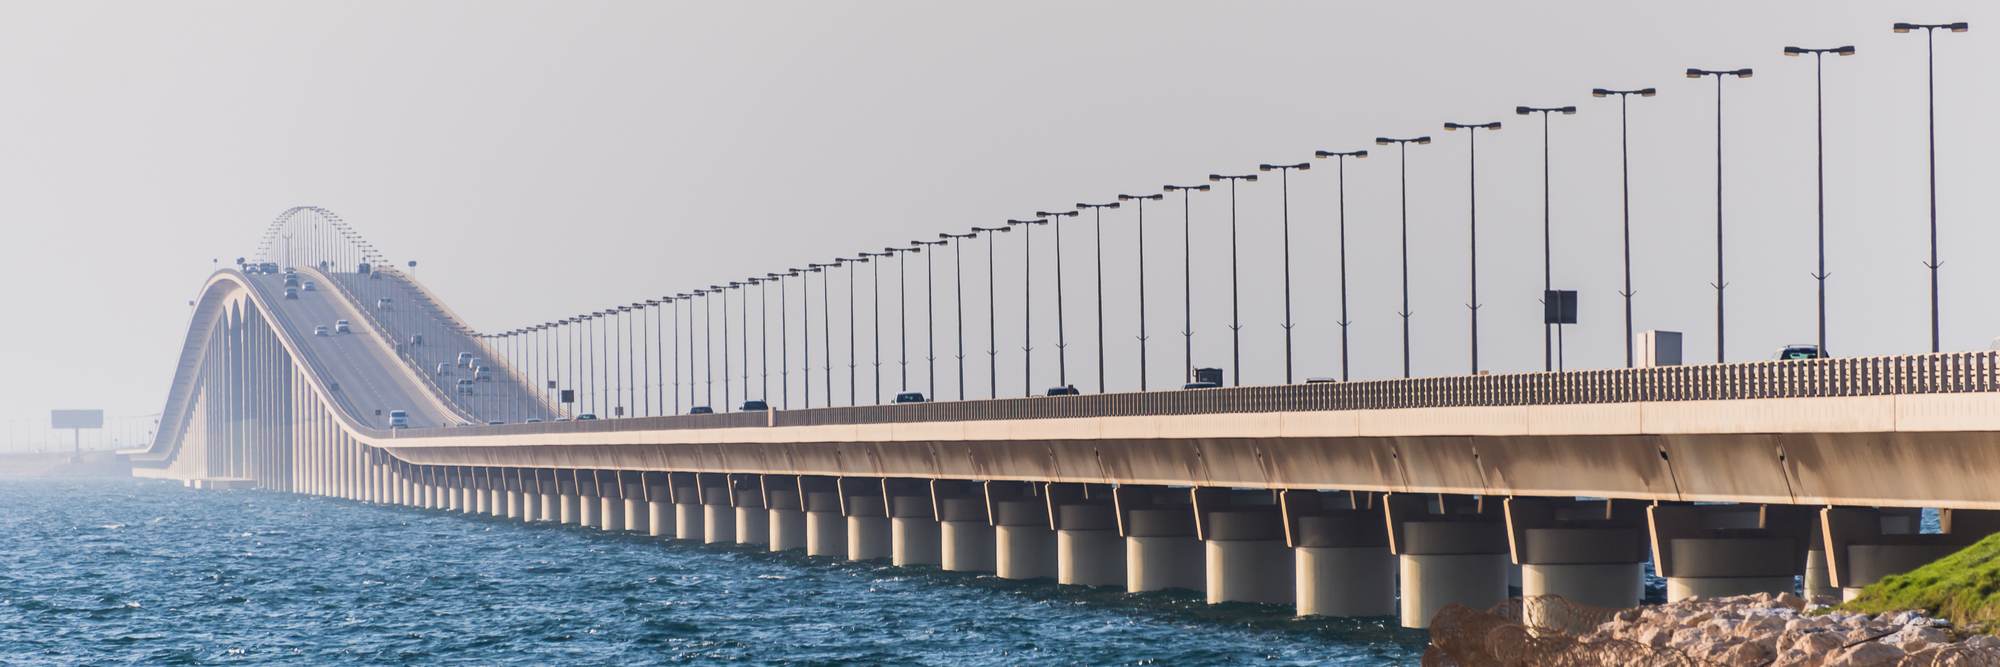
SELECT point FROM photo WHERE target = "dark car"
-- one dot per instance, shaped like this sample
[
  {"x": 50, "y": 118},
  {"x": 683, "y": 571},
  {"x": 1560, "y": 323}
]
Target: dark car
[
  {"x": 1065, "y": 390},
  {"x": 701, "y": 410},
  {"x": 754, "y": 406},
  {"x": 1800, "y": 351},
  {"x": 911, "y": 397}
]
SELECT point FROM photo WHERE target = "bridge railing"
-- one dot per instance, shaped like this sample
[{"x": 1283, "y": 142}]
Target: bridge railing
[{"x": 1952, "y": 372}]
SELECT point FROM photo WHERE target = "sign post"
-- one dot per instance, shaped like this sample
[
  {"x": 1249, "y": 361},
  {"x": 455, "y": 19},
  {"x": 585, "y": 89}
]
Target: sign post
[{"x": 76, "y": 421}]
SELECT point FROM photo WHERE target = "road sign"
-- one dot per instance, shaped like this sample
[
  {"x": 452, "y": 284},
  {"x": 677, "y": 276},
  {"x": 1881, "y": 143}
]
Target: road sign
[{"x": 76, "y": 419}]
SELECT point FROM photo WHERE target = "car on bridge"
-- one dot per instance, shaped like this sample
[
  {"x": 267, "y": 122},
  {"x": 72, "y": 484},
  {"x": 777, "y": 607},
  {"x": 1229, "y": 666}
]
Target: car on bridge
[
  {"x": 291, "y": 280},
  {"x": 268, "y": 267},
  {"x": 321, "y": 330},
  {"x": 309, "y": 286},
  {"x": 341, "y": 327},
  {"x": 399, "y": 419},
  {"x": 911, "y": 397},
  {"x": 464, "y": 360},
  {"x": 482, "y": 373},
  {"x": 443, "y": 370},
  {"x": 1800, "y": 351},
  {"x": 587, "y": 417},
  {"x": 292, "y": 293},
  {"x": 385, "y": 303},
  {"x": 754, "y": 406},
  {"x": 465, "y": 386},
  {"x": 701, "y": 410}
]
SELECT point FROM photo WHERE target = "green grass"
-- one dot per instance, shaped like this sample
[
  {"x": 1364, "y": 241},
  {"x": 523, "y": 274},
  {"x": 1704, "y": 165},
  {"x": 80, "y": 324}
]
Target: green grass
[{"x": 1963, "y": 587}]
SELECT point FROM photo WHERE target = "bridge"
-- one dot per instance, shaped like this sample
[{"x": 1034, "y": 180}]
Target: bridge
[{"x": 1359, "y": 498}]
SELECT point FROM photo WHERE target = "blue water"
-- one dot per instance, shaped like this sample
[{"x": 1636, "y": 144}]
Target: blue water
[{"x": 147, "y": 572}]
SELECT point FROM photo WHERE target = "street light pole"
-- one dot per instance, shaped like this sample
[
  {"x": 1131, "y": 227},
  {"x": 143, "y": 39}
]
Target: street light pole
[
  {"x": 1285, "y": 198},
  {"x": 1403, "y": 201},
  {"x": 903, "y": 310},
  {"x": 1625, "y": 201},
  {"x": 1340, "y": 168},
  {"x": 876, "y": 313},
  {"x": 1235, "y": 311},
  {"x": 992, "y": 321},
  {"x": 1472, "y": 226},
  {"x": 1930, "y": 96},
  {"x": 785, "y": 336},
  {"x": 1062, "y": 331},
  {"x": 1139, "y": 202},
  {"x": 1548, "y": 264},
  {"x": 958, "y": 286},
  {"x": 1028, "y": 304},
  {"x": 1720, "y": 284},
  {"x": 1187, "y": 276},
  {"x": 1097, "y": 227},
  {"x": 930, "y": 317},
  {"x": 853, "y": 377},
  {"x": 1819, "y": 143}
]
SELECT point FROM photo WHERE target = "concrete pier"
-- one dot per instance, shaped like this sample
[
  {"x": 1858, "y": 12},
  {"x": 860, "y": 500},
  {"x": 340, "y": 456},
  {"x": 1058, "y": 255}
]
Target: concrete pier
[
  {"x": 826, "y": 529},
  {"x": 548, "y": 509},
  {"x": 611, "y": 513},
  {"x": 1591, "y": 552},
  {"x": 637, "y": 515},
  {"x": 510, "y": 504},
  {"x": 1247, "y": 560},
  {"x": 753, "y": 525},
  {"x": 718, "y": 519},
  {"x": 1023, "y": 545},
  {"x": 965, "y": 538},
  {"x": 1723, "y": 550},
  {"x": 659, "y": 518},
  {"x": 867, "y": 529},
  {"x": 1089, "y": 551},
  {"x": 1342, "y": 562},
  {"x": 587, "y": 509},
  {"x": 1162, "y": 552},
  {"x": 914, "y": 535},
  {"x": 1451, "y": 549},
  {"x": 566, "y": 509},
  {"x": 687, "y": 512},
  {"x": 787, "y": 522}
]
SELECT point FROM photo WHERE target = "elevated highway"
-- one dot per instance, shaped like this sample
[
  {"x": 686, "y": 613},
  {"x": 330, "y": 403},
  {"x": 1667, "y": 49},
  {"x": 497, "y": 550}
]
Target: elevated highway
[{"x": 1725, "y": 478}]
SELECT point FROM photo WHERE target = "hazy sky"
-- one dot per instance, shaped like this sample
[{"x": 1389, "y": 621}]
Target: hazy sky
[{"x": 540, "y": 158}]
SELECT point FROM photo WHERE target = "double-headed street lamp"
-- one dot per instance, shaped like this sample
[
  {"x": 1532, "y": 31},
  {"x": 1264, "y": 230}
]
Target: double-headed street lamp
[
  {"x": 825, "y": 328},
  {"x": 1548, "y": 264},
  {"x": 1403, "y": 199},
  {"x": 1235, "y": 311},
  {"x": 1187, "y": 276},
  {"x": 958, "y": 287},
  {"x": 1720, "y": 284},
  {"x": 903, "y": 309},
  {"x": 1028, "y": 303},
  {"x": 784, "y": 337},
  {"x": 1930, "y": 96},
  {"x": 930, "y": 315},
  {"x": 1139, "y": 202},
  {"x": 992, "y": 321},
  {"x": 1285, "y": 197},
  {"x": 1819, "y": 142},
  {"x": 1097, "y": 227},
  {"x": 875, "y": 312},
  {"x": 853, "y": 378},
  {"x": 1625, "y": 200},
  {"x": 1472, "y": 222},
  {"x": 1340, "y": 165},
  {"x": 1054, "y": 219}
]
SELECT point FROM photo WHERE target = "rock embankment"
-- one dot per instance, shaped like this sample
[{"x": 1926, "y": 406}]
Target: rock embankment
[{"x": 1780, "y": 631}]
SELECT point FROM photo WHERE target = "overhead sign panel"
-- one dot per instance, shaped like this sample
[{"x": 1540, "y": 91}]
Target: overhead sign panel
[{"x": 76, "y": 419}]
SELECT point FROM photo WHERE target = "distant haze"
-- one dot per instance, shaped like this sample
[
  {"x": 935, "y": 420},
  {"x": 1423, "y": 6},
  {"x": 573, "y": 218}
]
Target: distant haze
[{"x": 539, "y": 159}]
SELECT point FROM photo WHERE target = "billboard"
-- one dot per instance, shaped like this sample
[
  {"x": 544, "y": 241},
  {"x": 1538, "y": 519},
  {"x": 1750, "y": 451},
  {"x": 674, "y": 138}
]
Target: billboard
[{"x": 76, "y": 419}]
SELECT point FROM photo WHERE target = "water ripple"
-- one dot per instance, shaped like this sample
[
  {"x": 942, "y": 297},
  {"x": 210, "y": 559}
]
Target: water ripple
[{"x": 145, "y": 572}]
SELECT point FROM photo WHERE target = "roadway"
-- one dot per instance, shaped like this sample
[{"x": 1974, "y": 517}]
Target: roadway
[
  {"x": 508, "y": 397},
  {"x": 362, "y": 373}
]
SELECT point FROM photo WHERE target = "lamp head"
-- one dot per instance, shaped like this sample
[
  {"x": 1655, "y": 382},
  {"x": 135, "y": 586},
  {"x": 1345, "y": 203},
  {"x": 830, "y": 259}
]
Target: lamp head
[
  {"x": 1568, "y": 110},
  {"x": 1794, "y": 51},
  {"x": 1960, "y": 26},
  {"x": 1522, "y": 111},
  {"x": 1844, "y": 50},
  {"x": 1599, "y": 92},
  {"x": 1424, "y": 140},
  {"x": 1742, "y": 73},
  {"x": 1693, "y": 73},
  {"x": 1901, "y": 27},
  {"x": 1648, "y": 92}
]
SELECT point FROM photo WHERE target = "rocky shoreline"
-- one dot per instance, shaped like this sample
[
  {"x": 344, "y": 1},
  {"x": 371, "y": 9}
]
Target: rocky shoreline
[{"x": 1783, "y": 631}]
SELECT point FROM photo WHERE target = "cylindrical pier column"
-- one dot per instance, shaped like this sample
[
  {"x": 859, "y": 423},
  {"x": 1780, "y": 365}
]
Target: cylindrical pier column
[
  {"x": 547, "y": 507},
  {"x": 636, "y": 511},
  {"x": 1344, "y": 567},
  {"x": 496, "y": 502},
  {"x": 659, "y": 518},
  {"x": 1442, "y": 562},
  {"x": 587, "y": 507},
  {"x": 752, "y": 520},
  {"x": 468, "y": 499},
  {"x": 1594, "y": 566},
  {"x": 1023, "y": 545},
  {"x": 787, "y": 523},
  {"x": 512, "y": 509},
  {"x": 1088, "y": 549},
  {"x": 481, "y": 501},
  {"x": 611, "y": 513},
  {"x": 687, "y": 513},
  {"x": 566, "y": 508},
  {"x": 867, "y": 529},
  {"x": 1247, "y": 557},
  {"x": 718, "y": 519},
  {"x": 826, "y": 529},
  {"x": 965, "y": 539},
  {"x": 529, "y": 503},
  {"x": 1161, "y": 551},
  {"x": 913, "y": 532},
  {"x": 1721, "y": 566}
]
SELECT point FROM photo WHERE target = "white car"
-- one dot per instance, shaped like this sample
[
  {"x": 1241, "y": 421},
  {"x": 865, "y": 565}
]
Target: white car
[
  {"x": 310, "y": 286},
  {"x": 340, "y": 326},
  {"x": 465, "y": 386},
  {"x": 321, "y": 330}
]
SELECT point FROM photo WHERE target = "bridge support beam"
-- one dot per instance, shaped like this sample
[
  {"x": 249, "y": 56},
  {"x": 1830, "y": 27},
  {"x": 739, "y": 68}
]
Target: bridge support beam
[
  {"x": 914, "y": 535},
  {"x": 1722, "y": 550},
  {"x": 787, "y": 520},
  {"x": 1341, "y": 552},
  {"x": 1864, "y": 545},
  {"x": 965, "y": 532},
  {"x": 1450, "y": 549},
  {"x": 1591, "y": 552},
  {"x": 1089, "y": 551}
]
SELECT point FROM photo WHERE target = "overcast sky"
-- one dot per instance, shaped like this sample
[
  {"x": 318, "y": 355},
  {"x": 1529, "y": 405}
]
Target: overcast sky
[{"x": 541, "y": 158}]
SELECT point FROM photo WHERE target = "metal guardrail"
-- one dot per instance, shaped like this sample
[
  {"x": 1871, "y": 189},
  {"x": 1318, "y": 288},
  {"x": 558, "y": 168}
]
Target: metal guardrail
[{"x": 1951, "y": 372}]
